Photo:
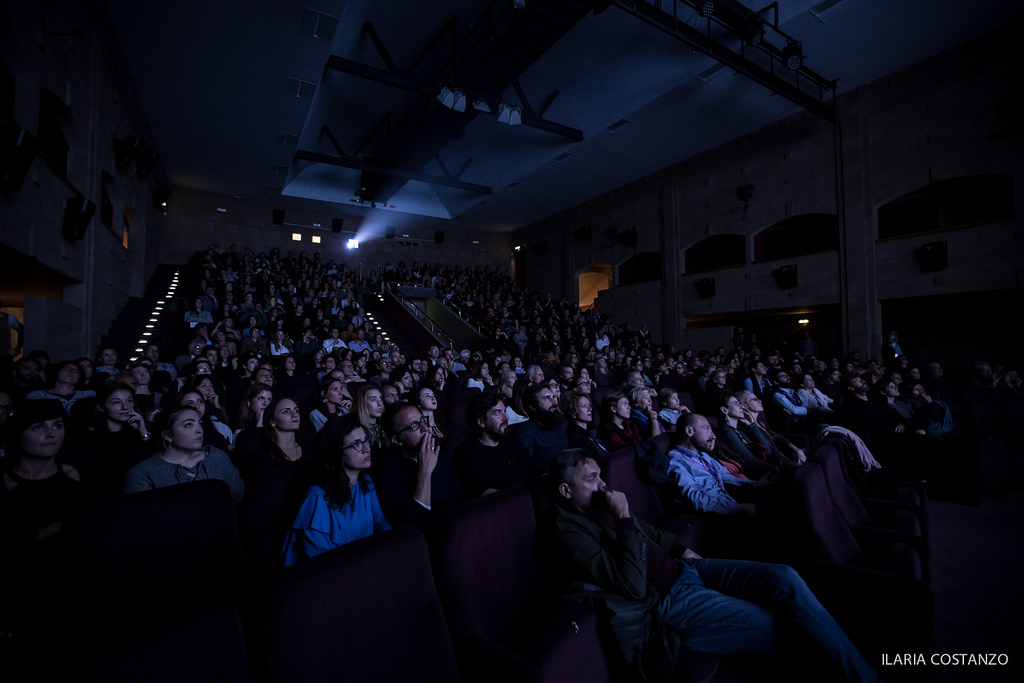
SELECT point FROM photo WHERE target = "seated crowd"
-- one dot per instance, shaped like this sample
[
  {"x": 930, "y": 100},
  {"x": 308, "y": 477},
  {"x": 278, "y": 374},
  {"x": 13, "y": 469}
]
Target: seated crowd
[{"x": 279, "y": 367}]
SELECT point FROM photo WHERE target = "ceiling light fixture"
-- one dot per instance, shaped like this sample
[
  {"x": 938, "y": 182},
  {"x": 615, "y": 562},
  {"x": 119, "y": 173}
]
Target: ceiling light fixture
[
  {"x": 453, "y": 99},
  {"x": 510, "y": 114}
]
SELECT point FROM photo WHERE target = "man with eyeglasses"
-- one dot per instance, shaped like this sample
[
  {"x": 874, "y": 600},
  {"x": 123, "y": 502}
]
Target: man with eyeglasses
[{"x": 415, "y": 480}]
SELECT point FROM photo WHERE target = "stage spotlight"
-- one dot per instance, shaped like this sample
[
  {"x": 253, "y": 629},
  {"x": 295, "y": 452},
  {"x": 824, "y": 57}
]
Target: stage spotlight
[{"x": 792, "y": 55}]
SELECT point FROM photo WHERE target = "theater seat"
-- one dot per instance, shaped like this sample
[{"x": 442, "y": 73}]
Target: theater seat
[
  {"x": 365, "y": 611},
  {"x": 903, "y": 523},
  {"x": 500, "y": 604},
  {"x": 871, "y": 585},
  {"x": 142, "y": 566},
  {"x": 199, "y": 643},
  {"x": 273, "y": 496},
  {"x": 159, "y": 547}
]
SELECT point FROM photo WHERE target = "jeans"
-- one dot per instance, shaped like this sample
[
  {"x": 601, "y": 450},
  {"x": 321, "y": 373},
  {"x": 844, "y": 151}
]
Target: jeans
[{"x": 740, "y": 607}]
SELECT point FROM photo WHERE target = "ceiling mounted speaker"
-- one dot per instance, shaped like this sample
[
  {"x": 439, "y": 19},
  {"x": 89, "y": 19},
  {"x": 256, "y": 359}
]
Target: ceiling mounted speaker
[
  {"x": 932, "y": 257},
  {"x": 584, "y": 233},
  {"x": 78, "y": 211},
  {"x": 18, "y": 149},
  {"x": 439, "y": 237},
  {"x": 389, "y": 232},
  {"x": 278, "y": 216},
  {"x": 706, "y": 287},
  {"x": 628, "y": 237},
  {"x": 336, "y": 224},
  {"x": 785, "y": 277}
]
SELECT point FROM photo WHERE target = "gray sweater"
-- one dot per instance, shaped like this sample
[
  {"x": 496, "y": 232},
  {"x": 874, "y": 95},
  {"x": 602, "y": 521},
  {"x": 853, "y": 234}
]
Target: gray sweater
[{"x": 155, "y": 472}]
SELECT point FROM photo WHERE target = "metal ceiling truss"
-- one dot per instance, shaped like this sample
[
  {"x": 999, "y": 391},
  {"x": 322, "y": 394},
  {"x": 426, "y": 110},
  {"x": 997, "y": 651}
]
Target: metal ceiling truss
[
  {"x": 803, "y": 86},
  {"x": 387, "y": 168}
]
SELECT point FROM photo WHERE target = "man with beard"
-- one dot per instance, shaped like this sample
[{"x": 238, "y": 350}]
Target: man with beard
[
  {"x": 488, "y": 461},
  {"x": 711, "y": 605},
  {"x": 540, "y": 438},
  {"x": 415, "y": 481}
]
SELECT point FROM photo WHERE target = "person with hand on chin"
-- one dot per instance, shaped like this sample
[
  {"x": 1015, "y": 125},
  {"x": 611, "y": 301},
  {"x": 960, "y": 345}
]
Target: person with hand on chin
[
  {"x": 710, "y": 605},
  {"x": 415, "y": 479}
]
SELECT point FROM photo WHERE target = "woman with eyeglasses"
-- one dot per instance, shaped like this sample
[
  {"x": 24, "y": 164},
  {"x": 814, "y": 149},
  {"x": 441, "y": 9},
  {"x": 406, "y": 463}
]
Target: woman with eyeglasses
[{"x": 341, "y": 506}]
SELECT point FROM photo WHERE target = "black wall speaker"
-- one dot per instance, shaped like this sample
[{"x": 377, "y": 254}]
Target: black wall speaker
[
  {"x": 439, "y": 237},
  {"x": 389, "y": 232},
  {"x": 584, "y": 233},
  {"x": 932, "y": 257},
  {"x": 706, "y": 287},
  {"x": 278, "y": 216},
  {"x": 78, "y": 212},
  {"x": 18, "y": 147},
  {"x": 786, "y": 277},
  {"x": 337, "y": 224}
]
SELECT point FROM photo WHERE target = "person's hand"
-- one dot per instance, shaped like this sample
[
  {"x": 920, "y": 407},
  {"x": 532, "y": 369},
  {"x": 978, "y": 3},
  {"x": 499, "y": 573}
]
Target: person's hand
[
  {"x": 900, "y": 428},
  {"x": 690, "y": 555},
  {"x": 137, "y": 422},
  {"x": 428, "y": 453},
  {"x": 801, "y": 457},
  {"x": 767, "y": 481},
  {"x": 617, "y": 503}
]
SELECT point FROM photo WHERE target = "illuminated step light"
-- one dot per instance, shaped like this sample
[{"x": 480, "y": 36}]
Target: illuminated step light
[
  {"x": 147, "y": 334},
  {"x": 160, "y": 301},
  {"x": 149, "y": 327}
]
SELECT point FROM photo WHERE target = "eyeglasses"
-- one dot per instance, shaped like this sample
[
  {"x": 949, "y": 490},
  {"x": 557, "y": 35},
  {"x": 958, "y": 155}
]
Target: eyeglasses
[
  {"x": 415, "y": 425},
  {"x": 358, "y": 445}
]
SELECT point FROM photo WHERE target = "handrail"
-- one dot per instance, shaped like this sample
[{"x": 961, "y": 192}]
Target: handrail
[
  {"x": 447, "y": 303},
  {"x": 432, "y": 326}
]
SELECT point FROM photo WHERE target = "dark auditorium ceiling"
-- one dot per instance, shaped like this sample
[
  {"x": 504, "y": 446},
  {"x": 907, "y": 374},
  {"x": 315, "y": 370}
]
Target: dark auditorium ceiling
[{"x": 332, "y": 104}]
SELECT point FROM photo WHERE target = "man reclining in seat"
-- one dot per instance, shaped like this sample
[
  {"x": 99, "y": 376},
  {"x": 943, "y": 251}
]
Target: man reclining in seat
[{"x": 714, "y": 606}]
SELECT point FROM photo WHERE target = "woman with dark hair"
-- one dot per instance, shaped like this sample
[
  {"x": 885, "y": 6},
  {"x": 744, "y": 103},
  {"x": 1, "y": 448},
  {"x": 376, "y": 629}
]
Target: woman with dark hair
[
  {"x": 114, "y": 441},
  {"x": 480, "y": 375},
  {"x": 335, "y": 401},
  {"x": 88, "y": 369},
  {"x": 341, "y": 506},
  {"x": 283, "y": 438},
  {"x": 38, "y": 491},
  {"x": 250, "y": 411},
  {"x": 183, "y": 458},
  {"x": 215, "y": 432},
  {"x": 425, "y": 399}
]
